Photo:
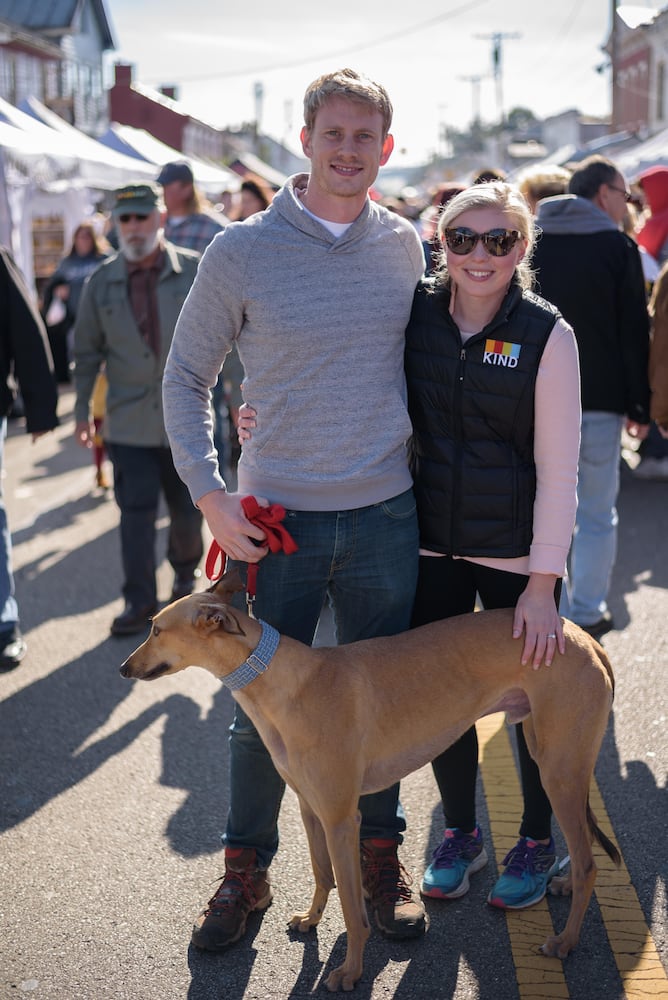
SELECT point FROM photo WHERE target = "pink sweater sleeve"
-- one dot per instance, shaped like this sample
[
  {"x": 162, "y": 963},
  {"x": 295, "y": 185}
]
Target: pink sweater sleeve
[{"x": 556, "y": 449}]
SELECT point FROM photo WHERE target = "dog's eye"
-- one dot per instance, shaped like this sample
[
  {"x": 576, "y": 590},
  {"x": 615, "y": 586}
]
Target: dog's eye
[{"x": 156, "y": 631}]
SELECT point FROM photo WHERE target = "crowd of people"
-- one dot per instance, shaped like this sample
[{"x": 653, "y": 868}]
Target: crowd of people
[{"x": 498, "y": 340}]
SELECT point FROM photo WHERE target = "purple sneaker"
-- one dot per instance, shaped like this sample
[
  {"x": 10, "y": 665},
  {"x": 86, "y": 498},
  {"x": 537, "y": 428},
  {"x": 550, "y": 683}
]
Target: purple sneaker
[
  {"x": 458, "y": 856},
  {"x": 529, "y": 868}
]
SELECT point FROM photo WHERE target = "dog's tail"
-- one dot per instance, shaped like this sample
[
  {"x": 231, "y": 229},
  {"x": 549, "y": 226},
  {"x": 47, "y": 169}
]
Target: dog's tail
[{"x": 601, "y": 839}]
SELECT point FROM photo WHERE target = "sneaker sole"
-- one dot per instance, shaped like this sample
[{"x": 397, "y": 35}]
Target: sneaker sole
[{"x": 433, "y": 892}]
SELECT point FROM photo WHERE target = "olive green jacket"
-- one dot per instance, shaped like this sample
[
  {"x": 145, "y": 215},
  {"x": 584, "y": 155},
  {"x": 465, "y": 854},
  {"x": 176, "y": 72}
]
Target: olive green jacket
[{"x": 106, "y": 334}]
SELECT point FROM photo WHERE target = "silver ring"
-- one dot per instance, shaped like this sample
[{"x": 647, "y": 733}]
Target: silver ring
[{"x": 551, "y": 635}]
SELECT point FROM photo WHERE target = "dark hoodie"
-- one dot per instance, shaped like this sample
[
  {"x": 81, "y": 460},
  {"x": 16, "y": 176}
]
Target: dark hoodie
[{"x": 592, "y": 272}]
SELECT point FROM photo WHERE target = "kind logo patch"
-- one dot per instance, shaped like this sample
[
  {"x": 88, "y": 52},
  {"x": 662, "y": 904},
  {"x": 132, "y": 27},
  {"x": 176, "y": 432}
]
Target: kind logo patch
[{"x": 501, "y": 352}]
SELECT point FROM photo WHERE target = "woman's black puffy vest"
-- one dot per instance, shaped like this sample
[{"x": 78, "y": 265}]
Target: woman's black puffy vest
[{"x": 472, "y": 409}]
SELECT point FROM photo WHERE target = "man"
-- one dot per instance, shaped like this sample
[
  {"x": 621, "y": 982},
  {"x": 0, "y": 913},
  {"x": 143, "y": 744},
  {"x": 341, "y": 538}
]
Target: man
[
  {"x": 25, "y": 359},
  {"x": 592, "y": 272},
  {"x": 187, "y": 225},
  {"x": 125, "y": 323},
  {"x": 316, "y": 291}
]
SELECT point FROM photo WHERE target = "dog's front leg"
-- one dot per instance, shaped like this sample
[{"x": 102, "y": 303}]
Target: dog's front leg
[
  {"x": 343, "y": 840},
  {"x": 322, "y": 871}
]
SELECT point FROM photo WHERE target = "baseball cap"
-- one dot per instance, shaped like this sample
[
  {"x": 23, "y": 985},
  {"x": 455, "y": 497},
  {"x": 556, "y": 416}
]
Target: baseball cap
[
  {"x": 179, "y": 170},
  {"x": 142, "y": 198}
]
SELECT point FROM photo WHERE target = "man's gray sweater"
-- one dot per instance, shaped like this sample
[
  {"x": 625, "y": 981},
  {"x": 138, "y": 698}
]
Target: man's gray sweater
[{"x": 319, "y": 323}]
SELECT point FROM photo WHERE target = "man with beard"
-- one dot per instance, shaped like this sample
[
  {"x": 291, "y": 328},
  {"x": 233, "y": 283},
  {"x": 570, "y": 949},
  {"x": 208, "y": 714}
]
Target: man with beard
[{"x": 125, "y": 323}]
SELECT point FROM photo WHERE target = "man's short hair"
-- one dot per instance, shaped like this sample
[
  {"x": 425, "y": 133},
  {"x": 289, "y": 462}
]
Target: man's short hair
[
  {"x": 588, "y": 176},
  {"x": 352, "y": 85}
]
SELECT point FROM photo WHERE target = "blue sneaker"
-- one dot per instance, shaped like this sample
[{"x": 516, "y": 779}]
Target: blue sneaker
[
  {"x": 529, "y": 868},
  {"x": 458, "y": 856}
]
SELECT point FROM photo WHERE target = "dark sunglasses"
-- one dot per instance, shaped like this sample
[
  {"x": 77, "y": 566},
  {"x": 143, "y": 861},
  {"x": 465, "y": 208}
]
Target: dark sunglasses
[
  {"x": 497, "y": 242},
  {"x": 129, "y": 216}
]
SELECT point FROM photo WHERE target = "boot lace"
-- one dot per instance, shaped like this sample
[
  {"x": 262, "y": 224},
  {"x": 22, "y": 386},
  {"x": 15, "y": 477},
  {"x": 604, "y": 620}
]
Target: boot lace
[
  {"x": 235, "y": 888},
  {"x": 386, "y": 879}
]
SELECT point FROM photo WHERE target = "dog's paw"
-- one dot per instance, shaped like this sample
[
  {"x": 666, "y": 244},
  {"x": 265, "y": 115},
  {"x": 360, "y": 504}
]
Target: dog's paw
[
  {"x": 556, "y": 947},
  {"x": 342, "y": 979},
  {"x": 303, "y": 922},
  {"x": 561, "y": 885}
]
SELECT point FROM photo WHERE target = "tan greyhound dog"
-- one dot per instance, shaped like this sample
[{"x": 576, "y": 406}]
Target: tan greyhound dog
[{"x": 345, "y": 720}]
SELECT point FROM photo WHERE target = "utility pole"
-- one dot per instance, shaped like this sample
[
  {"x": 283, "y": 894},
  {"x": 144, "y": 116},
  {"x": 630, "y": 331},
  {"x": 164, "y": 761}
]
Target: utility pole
[
  {"x": 475, "y": 82},
  {"x": 497, "y": 38},
  {"x": 614, "y": 57},
  {"x": 258, "y": 94}
]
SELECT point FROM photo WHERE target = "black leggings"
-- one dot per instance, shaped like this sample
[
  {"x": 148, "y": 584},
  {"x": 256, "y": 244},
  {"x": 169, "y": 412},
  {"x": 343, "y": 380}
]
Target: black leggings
[{"x": 448, "y": 587}]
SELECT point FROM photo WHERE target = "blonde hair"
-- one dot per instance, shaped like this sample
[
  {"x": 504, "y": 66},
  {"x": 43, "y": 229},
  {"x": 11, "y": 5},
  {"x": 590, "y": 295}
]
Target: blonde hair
[
  {"x": 499, "y": 195},
  {"x": 544, "y": 181},
  {"x": 352, "y": 85}
]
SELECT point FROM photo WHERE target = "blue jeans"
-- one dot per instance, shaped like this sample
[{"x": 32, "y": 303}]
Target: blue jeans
[
  {"x": 9, "y": 612},
  {"x": 594, "y": 546},
  {"x": 365, "y": 562}
]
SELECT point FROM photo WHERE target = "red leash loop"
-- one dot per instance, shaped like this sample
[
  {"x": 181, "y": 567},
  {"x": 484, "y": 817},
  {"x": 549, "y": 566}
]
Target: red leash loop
[{"x": 278, "y": 538}]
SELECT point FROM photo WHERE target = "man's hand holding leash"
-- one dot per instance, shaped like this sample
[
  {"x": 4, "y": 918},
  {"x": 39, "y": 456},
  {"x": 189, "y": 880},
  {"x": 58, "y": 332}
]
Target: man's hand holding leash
[{"x": 228, "y": 524}]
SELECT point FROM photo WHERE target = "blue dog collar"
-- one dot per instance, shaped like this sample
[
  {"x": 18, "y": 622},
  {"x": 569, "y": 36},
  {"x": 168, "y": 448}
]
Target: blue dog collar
[{"x": 257, "y": 662}]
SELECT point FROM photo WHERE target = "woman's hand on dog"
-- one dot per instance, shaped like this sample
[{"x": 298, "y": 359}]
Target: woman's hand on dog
[
  {"x": 235, "y": 534},
  {"x": 537, "y": 616}
]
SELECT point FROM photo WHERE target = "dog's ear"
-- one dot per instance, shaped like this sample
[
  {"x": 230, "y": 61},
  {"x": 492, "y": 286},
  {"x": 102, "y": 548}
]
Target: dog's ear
[
  {"x": 210, "y": 617},
  {"x": 230, "y": 583}
]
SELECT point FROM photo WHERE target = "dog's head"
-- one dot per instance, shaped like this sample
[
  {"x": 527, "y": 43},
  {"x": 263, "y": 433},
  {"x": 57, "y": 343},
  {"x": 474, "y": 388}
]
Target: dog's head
[{"x": 183, "y": 634}]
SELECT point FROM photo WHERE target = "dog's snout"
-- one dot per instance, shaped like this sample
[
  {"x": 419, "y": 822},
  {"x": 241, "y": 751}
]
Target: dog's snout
[{"x": 124, "y": 669}]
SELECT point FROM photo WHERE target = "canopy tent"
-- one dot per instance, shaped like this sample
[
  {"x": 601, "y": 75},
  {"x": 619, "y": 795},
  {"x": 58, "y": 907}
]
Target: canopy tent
[
  {"x": 245, "y": 163},
  {"x": 136, "y": 142},
  {"x": 651, "y": 152},
  {"x": 51, "y": 180},
  {"x": 101, "y": 166},
  {"x": 631, "y": 155}
]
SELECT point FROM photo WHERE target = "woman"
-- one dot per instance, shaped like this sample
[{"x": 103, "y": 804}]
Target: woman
[
  {"x": 63, "y": 291},
  {"x": 494, "y": 396},
  {"x": 255, "y": 195},
  {"x": 61, "y": 302},
  {"x": 493, "y": 386}
]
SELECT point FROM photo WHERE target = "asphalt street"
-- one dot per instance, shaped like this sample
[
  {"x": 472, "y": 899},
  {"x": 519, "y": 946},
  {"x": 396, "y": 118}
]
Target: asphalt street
[{"x": 113, "y": 795}]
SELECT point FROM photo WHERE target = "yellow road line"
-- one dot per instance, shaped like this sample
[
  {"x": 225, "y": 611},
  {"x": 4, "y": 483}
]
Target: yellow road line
[
  {"x": 635, "y": 953},
  {"x": 538, "y": 977},
  {"x": 633, "y": 948}
]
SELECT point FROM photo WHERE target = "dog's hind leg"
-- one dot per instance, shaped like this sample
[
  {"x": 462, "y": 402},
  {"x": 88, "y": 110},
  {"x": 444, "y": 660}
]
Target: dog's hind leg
[
  {"x": 322, "y": 871},
  {"x": 567, "y": 788}
]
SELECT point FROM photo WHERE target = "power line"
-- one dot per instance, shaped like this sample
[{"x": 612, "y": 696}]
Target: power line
[{"x": 372, "y": 43}]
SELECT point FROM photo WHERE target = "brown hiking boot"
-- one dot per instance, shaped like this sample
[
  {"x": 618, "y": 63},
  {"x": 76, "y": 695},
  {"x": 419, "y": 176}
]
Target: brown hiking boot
[
  {"x": 244, "y": 888},
  {"x": 399, "y": 913}
]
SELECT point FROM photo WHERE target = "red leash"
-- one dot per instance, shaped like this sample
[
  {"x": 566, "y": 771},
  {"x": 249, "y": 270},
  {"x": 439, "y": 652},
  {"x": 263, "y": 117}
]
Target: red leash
[{"x": 270, "y": 520}]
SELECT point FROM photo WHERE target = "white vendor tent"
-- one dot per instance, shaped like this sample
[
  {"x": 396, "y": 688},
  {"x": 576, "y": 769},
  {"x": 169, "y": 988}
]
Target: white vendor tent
[
  {"x": 210, "y": 178},
  {"x": 652, "y": 152},
  {"x": 51, "y": 179}
]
